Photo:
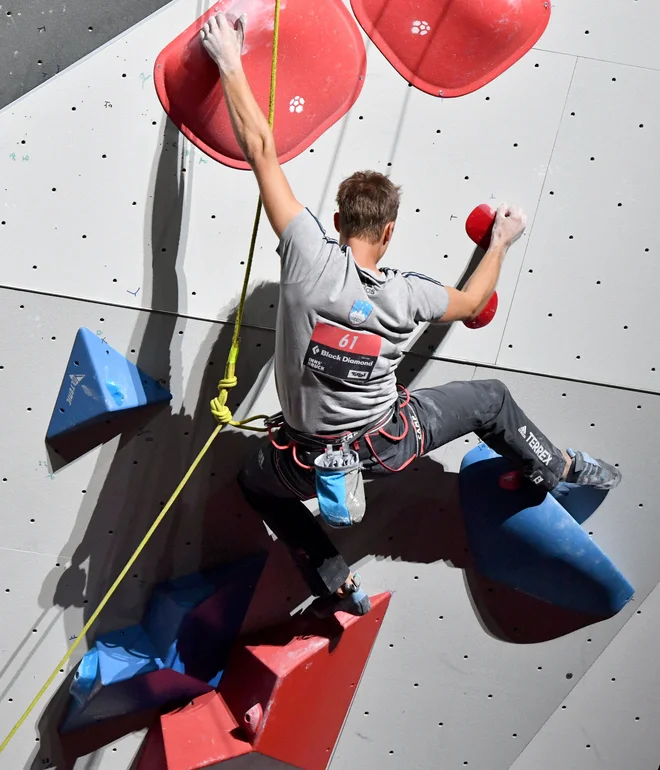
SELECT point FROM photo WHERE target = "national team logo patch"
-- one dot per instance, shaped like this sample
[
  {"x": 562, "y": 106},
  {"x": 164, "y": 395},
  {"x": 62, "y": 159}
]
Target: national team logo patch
[{"x": 360, "y": 311}]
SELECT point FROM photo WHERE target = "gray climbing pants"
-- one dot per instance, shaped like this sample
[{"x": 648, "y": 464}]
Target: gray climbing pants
[{"x": 274, "y": 483}]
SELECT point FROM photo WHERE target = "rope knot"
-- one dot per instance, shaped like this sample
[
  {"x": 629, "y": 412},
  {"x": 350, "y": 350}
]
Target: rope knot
[
  {"x": 221, "y": 412},
  {"x": 227, "y": 383},
  {"x": 219, "y": 408}
]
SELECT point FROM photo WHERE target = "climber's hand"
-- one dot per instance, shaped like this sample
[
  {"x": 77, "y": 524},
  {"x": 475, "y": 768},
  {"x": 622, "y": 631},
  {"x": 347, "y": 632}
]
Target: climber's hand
[
  {"x": 223, "y": 40},
  {"x": 509, "y": 225}
]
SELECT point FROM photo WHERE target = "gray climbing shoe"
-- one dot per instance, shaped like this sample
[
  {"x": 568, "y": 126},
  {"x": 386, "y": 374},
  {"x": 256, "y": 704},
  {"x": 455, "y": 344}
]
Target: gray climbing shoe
[
  {"x": 355, "y": 601},
  {"x": 587, "y": 472}
]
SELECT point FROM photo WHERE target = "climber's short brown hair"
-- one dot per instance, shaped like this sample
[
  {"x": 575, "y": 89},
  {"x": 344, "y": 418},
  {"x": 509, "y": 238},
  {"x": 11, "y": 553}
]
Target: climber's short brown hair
[{"x": 367, "y": 201}]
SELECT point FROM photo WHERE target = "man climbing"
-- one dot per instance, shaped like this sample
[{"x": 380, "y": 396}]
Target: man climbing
[{"x": 342, "y": 327}]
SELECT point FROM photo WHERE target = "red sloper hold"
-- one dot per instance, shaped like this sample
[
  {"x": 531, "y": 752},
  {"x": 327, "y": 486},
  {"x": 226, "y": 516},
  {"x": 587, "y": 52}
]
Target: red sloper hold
[
  {"x": 452, "y": 47},
  {"x": 320, "y": 72},
  {"x": 295, "y": 683}
]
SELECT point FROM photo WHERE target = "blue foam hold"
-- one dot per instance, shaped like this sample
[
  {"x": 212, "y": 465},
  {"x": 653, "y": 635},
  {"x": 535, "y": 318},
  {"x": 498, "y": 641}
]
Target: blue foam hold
[
  {"x": 528, "y": 541},
  {"x": 125, "y": 654},
  {"x": 117, "y": 656},
  {"x": 86, "y": 680},
  {"x": 98, "y": 382},
  {"x": 178, "y": 651}
]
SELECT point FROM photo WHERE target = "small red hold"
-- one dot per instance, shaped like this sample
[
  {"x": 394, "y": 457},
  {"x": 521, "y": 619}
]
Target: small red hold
[
  {"x": 486, "y": 315},
  {"x": 511, "y": 481},
  {"x": 479, "y": 225},
  {"x": 252, "y": 719}
]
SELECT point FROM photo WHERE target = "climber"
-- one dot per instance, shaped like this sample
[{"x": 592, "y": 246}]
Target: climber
[{"x": 342, "y": 327}]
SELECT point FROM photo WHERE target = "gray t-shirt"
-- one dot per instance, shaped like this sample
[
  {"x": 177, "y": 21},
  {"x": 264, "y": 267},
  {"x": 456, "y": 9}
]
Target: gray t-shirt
[{"x": 341, "y": 330}]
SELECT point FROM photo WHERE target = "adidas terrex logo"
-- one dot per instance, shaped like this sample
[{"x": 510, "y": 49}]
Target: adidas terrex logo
[
  {"x": 76, "y": 379},
  {"x": 535, "y": 445}
]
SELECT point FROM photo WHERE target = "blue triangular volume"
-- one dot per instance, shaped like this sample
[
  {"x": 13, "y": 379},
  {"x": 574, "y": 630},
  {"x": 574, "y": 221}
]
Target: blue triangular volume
[
  {"x": 528, "y": 541},
  {"x": 178, "y": 651},
  {"x": 98, "y": 382}
]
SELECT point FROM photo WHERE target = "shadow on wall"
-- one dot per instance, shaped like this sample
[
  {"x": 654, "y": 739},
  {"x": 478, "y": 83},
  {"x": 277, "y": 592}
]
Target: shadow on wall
[
  {"x": 430, "y": 340},
  {"x": 136, "y": 475},
  {"x": 210, "y": 523}
]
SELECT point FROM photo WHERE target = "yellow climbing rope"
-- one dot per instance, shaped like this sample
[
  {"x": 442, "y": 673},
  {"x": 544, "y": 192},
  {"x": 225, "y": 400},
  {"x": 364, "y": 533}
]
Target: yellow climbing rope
[{"x": 219, "y": 408}]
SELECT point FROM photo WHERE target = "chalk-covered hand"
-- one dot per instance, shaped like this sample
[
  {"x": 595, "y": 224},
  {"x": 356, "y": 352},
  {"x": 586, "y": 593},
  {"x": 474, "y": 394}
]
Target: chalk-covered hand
[
  {"x": 223, "y": 41},
  {"x": 509, "y": 225}
]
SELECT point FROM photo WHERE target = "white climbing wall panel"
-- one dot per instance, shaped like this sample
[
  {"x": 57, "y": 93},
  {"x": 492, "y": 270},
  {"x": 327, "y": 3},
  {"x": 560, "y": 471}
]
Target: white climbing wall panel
[
  {"x": 110, "y": 220},
  {"x": 94, "y": 198},
  {"x": 585, "y": 302},
  {"x": 611, "y": 715},
  {"x": 624, "y": 33}
]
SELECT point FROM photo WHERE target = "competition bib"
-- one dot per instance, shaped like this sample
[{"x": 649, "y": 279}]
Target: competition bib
[{"x": 345, "y": 355}]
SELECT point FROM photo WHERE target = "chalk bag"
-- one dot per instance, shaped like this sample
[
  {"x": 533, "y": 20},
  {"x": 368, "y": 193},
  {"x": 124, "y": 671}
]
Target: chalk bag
[{"x": 340, "y": 487}]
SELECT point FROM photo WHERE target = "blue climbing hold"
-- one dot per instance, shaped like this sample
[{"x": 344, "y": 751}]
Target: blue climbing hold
[
  {"x": 99, "y": 382},
  {"x": 176, "y": 653},
  {"x": 527, "y": 540}
]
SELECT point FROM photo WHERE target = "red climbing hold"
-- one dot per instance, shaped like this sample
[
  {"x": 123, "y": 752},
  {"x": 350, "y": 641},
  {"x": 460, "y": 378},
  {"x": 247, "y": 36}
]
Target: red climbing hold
[
  {"x": 450, "y": 47},
  {"x": 296, "y": 683},
  {"x": 284, "y": 695},
  {"x": 486, "y": 315},
  {"x": 320, "y": 72},
  {"x": 202, "y": 734},
  {"x": 479, "y": 226},
  {"x": 511, "y": 481}
]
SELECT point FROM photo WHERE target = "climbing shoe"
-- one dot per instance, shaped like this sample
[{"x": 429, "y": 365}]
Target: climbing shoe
[
  {"x": 354, "y": 601},
  {"x": 585, "y": 471}
]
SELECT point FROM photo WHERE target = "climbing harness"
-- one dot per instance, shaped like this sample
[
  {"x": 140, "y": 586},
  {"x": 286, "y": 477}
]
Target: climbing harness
[
  {"x": 335, "y": 459},
  {"x": 219, "y": 409},
  {"x": 403, "y": 405}
]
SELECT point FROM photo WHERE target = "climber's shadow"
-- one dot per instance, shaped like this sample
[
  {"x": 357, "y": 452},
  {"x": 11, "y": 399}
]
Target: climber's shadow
[
  {"x": 136, "y": 474},
  {"x": 210, "y": 524}
]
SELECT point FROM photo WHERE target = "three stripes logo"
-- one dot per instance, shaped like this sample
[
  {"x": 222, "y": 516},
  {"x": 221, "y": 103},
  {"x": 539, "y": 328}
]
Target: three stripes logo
[{"x": 523, "y": 431}]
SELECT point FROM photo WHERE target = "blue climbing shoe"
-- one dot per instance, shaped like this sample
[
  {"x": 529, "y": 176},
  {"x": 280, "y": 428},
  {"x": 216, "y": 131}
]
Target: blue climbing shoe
[
  {"x": 585, "y": 471},
  {"x": 355, "y": 601}
]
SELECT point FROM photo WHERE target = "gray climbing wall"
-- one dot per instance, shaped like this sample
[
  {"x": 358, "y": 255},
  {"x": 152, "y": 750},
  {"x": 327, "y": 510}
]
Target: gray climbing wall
[{"x": 110, "y": 220}]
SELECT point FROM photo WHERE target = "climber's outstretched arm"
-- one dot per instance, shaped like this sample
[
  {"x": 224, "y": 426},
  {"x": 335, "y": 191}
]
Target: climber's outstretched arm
[{"x": 224, "y": 42}]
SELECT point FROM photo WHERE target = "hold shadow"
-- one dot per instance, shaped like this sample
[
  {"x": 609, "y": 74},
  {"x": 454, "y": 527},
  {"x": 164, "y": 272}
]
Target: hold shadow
[{"x": 430, "y": 340}]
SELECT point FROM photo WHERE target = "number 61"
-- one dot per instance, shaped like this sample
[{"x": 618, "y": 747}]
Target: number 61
[{"x": 344, "y": 341}]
